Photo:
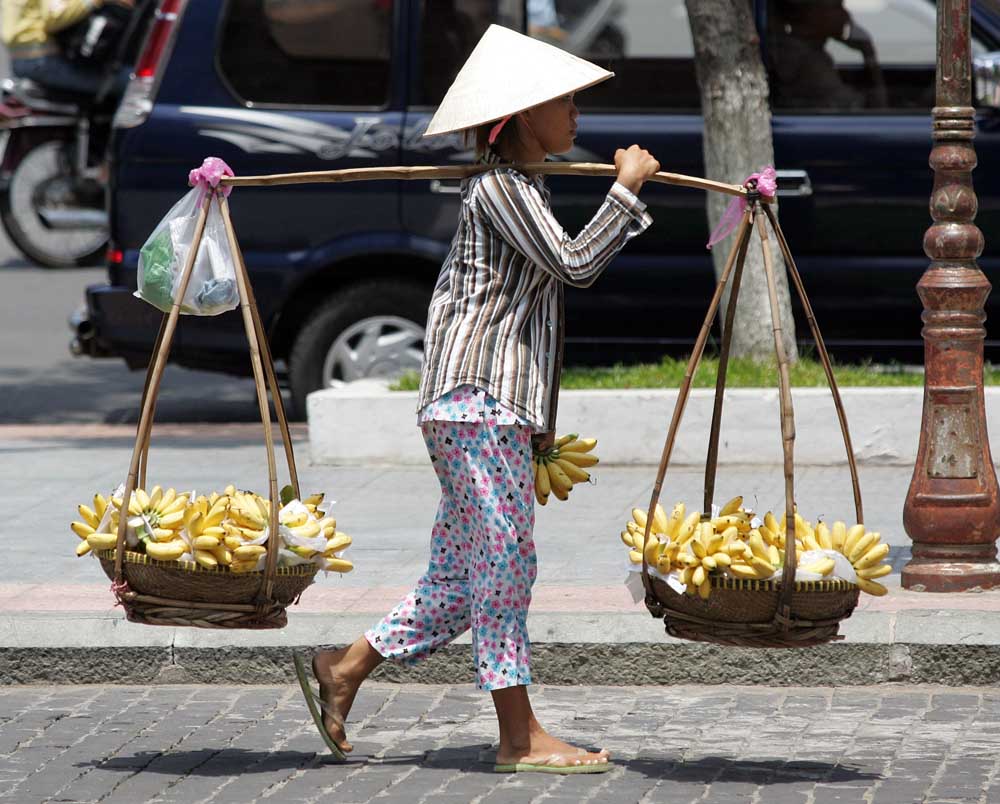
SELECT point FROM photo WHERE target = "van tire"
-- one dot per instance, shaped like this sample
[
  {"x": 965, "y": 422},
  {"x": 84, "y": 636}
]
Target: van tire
[{"x": 347, "y": 307}]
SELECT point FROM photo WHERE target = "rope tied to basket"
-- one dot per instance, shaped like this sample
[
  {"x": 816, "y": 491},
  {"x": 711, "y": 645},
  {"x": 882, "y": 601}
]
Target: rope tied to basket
[{"x": 119, "y": 589}]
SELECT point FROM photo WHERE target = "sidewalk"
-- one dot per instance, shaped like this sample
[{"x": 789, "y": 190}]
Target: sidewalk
[
  {"x": 58, "y": 622},
  {"x": 416, "y": 744}
]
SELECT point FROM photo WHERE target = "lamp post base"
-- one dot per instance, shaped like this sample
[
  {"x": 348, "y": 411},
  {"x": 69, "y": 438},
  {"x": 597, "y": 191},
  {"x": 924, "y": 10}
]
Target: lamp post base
[{"x": 941, "y": 575}]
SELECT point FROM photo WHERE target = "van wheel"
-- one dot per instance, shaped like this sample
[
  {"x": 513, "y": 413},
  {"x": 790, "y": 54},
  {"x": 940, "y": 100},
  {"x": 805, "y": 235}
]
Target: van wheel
[{"x": 375, "y": 329}]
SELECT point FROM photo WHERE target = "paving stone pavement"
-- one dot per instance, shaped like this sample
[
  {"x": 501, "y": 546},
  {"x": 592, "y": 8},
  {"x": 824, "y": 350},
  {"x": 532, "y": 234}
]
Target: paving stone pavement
[{"x": 890, "y": 744}]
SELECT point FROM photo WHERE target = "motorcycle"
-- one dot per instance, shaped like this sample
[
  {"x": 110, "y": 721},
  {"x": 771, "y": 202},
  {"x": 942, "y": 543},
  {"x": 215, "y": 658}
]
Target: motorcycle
[{"x": 53, "y": 169}]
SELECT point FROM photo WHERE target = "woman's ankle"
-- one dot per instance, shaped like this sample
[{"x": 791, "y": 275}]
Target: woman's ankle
[{"x": 353, "y": 663}]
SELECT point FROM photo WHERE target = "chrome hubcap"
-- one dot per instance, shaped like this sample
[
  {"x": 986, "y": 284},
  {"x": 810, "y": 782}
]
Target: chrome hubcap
[{"x": 381, "y": 346}]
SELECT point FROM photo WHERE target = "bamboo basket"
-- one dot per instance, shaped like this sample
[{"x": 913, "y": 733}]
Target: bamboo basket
[
  {"x": 185, "y": 593},
  {"x": 747, "y": 613}
]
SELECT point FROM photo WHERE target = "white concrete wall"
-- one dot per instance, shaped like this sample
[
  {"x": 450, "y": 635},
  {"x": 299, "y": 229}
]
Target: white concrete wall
[{"x": 364, "y": 422}]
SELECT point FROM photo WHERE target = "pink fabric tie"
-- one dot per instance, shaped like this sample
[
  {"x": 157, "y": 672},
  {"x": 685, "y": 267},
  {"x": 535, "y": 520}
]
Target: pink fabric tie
[
  {"x": 495, "y": 131},
  {"x": 207, "y": 176},
  {"x": 767, "y": 185}
]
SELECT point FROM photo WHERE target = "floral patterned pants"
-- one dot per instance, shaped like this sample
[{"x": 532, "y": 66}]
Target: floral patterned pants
[{"x": 482, "y": 563}]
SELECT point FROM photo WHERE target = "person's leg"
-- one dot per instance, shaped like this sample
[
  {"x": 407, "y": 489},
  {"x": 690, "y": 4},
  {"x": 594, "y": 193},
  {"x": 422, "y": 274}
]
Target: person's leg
[
  {"x": 500, "y": 486},
  {"x": 433, "y": 614},
  {"x": 58, "y": 73}
]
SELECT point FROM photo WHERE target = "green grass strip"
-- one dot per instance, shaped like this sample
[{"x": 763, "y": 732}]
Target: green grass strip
[{"x": 742, "y": 373}]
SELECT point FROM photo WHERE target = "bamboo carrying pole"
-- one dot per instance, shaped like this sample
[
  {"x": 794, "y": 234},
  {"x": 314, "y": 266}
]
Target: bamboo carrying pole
[
  {"x": 265, "y": 378},
  {"x": 464, "y": 171}
]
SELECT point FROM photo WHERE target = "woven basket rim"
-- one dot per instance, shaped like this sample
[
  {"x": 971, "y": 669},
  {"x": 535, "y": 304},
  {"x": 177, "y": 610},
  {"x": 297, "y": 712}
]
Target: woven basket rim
[
  {"x": 750, "y": 585},
  {"x": 193, "y": 566}
]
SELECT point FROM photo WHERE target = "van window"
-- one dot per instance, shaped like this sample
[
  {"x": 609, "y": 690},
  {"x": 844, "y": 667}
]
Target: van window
[
  {"x": 308, "y": 52},
  {"x": 645, "y": 43},
  {"x": 449, "y": 31},
  {"x": 853, "y": 55}
]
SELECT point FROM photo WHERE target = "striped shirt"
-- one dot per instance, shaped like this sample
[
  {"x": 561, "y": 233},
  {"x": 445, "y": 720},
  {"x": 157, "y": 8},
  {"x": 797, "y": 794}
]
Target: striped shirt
[{"x": 496, "y": 315}]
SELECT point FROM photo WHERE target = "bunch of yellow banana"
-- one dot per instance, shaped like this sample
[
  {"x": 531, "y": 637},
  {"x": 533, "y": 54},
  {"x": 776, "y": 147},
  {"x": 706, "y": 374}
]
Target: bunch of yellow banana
[
  {"x": 157, "y": 516},
  {"x": 753, "y": 558},
  {"x": 863, "y": 549},
  {"x": 244, "y": 529},
  {"x": 207, "y": 537},
  {"x": 866, "y": 554},
  {"x": 305, "y": 526},
  {"x": 562, "y": 465},
  {"x": 338, "y": 542},
  {"x": 731, "y": 543},
  {"x": 88, "y": 529},
  {"x": 707, "y": 552},
  {"x": 633, "y": 535},
  {"x": 668, "y": 536},
  {"x": 696, "y": 550}
]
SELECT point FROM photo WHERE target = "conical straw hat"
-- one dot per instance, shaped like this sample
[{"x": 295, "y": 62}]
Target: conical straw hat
[{"x": 507, "y": 73}]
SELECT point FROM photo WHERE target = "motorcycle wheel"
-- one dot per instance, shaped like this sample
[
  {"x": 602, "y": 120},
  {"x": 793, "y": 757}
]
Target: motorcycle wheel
[{"x": 42, "y": 183}]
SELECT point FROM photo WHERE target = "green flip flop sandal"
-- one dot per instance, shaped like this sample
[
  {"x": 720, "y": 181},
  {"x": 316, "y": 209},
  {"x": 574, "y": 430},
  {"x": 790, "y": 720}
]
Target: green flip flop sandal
[
  {"x": 316, "y": 707},
  {"x": 554, "y": 764}
]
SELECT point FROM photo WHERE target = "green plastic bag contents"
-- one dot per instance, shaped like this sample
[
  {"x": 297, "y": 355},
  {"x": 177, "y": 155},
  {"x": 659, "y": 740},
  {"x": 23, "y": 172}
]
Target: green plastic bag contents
[{"x": 212, "y": 288}]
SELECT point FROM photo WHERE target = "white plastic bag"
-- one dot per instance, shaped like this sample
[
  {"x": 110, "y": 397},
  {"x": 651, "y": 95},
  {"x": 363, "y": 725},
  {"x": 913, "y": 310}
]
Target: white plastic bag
[{"x": 212, "y": 288}]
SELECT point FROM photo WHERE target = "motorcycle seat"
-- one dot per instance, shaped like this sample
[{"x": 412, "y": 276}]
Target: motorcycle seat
[{"x": 33, "y": 93}]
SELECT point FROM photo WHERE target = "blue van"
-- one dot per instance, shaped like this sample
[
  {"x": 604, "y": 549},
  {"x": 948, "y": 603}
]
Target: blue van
[{"x": 343, "y": 273}]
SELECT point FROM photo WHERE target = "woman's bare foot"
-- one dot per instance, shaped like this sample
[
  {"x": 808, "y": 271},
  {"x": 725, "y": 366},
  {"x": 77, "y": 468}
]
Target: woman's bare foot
[
  {"x": 337, "y": 688},
  {"x": 522, "y": 738},
  {"x": 540, "y": 748}
]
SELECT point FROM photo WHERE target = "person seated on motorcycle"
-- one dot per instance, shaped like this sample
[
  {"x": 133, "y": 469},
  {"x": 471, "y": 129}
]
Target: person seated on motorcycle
[{"x": 29, "y": 28}]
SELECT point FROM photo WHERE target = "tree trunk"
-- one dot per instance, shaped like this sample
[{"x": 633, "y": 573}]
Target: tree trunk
[{"x": 737, "y": 142}]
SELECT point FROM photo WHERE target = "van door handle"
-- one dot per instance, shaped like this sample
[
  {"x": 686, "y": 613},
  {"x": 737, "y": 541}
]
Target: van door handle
[
  {"x": 446, "y": 186},
  {"x": 794, "y": 183}
]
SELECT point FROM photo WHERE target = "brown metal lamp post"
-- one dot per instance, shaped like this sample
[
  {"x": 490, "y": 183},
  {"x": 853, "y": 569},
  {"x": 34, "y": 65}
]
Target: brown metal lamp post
[{"x": 952, "y": 509}]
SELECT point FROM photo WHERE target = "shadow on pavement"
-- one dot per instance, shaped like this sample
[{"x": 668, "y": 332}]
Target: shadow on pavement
[
  {"x": 472, "y": 758},
  {"x": 211, "y": 762}
]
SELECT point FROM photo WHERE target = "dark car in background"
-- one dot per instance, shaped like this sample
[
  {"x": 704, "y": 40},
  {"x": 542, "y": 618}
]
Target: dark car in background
[{"x": 343, "y": 273}]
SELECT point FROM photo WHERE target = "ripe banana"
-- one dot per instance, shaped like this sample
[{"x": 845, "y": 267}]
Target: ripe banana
[
  {"x": 823, "y": 566},
  {"x": 166, "y": 551},
  {"x": 871, "y": 573},
  {"x": 862, "y": 545},
  {"x": 249, "y": 551},
  {"x": 732, "y": 506},
  {"x": 102, "y": 541},
  {"x": 874, "y": 555},
  {"x": 560, "y": 480},
  {"x": 854, "y": 534},
  {"x": 581, "y": 459},
  {"x": 82, "y": 529},
  {"x": 543, "y": 484},
  {"x": 577, "y": 445},
  {"x": 572, "y": 471},
  {"x": 339, "y": 541},
  {"x": 872, "y": 587}
]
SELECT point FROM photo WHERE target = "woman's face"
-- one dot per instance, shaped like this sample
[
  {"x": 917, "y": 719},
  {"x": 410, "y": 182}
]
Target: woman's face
[{"x": 554, "y": 124}]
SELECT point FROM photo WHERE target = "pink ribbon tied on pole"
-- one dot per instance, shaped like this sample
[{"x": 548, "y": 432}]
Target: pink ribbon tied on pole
[
  {"x": 208, "y": 176},
  {"x": 767, "y": 185}
]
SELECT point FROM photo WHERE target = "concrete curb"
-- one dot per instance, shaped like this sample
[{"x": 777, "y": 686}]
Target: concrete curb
[
  {"x": 914, "y": 646},
  {"x": 631, "y": 425},
  {"x": 622, "y": 664}
]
